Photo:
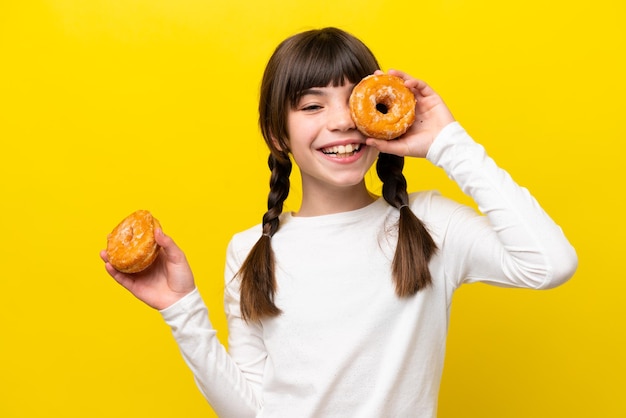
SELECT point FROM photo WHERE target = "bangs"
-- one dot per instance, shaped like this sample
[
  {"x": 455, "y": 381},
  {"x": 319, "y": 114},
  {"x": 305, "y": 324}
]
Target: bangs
[
  {"x": 316, "y": 58},
  {"x": 323, "y": 61}
]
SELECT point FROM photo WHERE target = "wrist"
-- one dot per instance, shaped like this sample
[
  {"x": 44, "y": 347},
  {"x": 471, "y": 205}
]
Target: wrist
[
  {"x": 172, "y": 299},
  {"x": 441, "y": 139},
  {"x": 175, "y": 299}
]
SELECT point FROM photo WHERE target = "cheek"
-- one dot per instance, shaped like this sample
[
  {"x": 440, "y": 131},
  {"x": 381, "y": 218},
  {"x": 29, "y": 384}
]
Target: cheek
[
  {"x": 372, "y": 156},
  {"x": 291, "y": 128},
  {"x": 300, "y": 132},
  {"x": 284, "y": 144}
]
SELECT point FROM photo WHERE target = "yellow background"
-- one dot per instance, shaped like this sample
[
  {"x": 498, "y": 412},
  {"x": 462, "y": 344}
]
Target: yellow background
[{"x": 108, "y": 106}]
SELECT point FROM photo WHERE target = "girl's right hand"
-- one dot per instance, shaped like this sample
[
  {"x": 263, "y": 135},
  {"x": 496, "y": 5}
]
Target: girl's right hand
[{"x": 166, "y": 281}]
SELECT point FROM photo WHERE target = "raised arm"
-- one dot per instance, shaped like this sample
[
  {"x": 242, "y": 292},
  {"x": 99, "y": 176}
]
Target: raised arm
[{"x": 517, "y": 243}]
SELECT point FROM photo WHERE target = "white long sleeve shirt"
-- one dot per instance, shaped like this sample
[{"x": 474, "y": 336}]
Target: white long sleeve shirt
[{"x": 345, "y": 345}]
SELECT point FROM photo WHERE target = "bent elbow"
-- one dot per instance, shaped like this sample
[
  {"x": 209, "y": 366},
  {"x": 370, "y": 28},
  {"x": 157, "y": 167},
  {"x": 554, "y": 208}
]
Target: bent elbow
[{"x": 564, "y": 266}]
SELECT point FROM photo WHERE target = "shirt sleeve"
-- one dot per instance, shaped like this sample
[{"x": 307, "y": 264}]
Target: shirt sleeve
[
  {"x": 217, "y": 375},
  {"x": 515, "y": 243}
]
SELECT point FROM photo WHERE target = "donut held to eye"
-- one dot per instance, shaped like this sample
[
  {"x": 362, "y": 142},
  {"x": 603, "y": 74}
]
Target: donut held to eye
[
  {"x": 131, "y": 246},
  {"x": 382, "y": 107}
]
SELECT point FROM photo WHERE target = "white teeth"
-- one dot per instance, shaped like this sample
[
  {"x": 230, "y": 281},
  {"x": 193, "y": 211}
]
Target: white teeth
[{"x": 342, "y": 150}]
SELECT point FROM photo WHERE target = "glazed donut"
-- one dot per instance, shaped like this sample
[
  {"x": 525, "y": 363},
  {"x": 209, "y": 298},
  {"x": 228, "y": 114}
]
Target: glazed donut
[
  {"x": 131, "y": 247},
  {"x": 382, "y": 106}
]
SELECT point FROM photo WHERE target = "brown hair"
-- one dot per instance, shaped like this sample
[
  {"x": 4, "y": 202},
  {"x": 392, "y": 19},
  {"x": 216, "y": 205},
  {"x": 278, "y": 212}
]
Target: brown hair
[{"x": 317, "y": 58}]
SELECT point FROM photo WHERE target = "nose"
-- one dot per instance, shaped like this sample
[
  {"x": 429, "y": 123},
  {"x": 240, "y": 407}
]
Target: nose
[{"x": 340, "y": 118}]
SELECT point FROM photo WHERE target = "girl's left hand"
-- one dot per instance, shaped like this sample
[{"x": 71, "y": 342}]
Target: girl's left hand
[{"x": 431, "y": 116}]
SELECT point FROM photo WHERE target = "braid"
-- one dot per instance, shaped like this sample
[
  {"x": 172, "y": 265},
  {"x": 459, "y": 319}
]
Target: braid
[
  {"x": 415, "y": 245},
  {"x": 279, "y": 190},
  {"x": 258, "y": 284}
]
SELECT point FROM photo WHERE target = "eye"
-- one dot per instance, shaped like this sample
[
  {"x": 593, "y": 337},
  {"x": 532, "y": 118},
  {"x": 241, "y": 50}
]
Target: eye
[{"x": 310, "y": 107}]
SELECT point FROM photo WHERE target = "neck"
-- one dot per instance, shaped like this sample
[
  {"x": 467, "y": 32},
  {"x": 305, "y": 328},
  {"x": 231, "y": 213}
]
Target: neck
[{"x": 334, "y": 200}]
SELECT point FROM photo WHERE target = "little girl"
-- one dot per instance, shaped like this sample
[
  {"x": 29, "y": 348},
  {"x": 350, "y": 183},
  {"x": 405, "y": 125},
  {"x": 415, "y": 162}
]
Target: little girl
[{"x": 341, "y": 309}]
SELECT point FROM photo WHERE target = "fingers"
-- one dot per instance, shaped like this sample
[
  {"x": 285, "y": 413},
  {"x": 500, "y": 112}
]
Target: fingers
[
  {"x": 399, "y": 73},
  {"x": 119, "y": 277},
  {"x": 162, "y": 239},
  {"x": 419, "y": 87},
  {"x": 173, "y": 253},
  {"x": 405, "y": 76},
  {"x": 395, "y": 147}
]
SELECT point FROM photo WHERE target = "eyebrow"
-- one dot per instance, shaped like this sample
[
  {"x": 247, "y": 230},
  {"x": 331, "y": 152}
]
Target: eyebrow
[{"x": 312, "y": 91}]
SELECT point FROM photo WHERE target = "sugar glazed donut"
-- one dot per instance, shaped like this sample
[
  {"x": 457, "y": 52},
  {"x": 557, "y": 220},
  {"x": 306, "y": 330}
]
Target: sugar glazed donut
[
  {"x": 131, "y": 247},
  {"x": 382, "y": 106}
]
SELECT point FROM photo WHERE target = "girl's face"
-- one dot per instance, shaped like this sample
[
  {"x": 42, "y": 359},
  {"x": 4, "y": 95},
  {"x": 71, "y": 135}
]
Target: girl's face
[{"x": 325, "y": 144}]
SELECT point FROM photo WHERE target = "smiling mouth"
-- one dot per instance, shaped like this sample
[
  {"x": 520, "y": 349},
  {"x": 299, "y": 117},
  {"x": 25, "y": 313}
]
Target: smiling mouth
[{"x": 342, "y": 151}]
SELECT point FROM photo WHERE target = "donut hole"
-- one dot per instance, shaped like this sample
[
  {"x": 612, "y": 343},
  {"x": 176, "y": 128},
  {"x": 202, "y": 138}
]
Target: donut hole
[{"x": 382, "y": 108}]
